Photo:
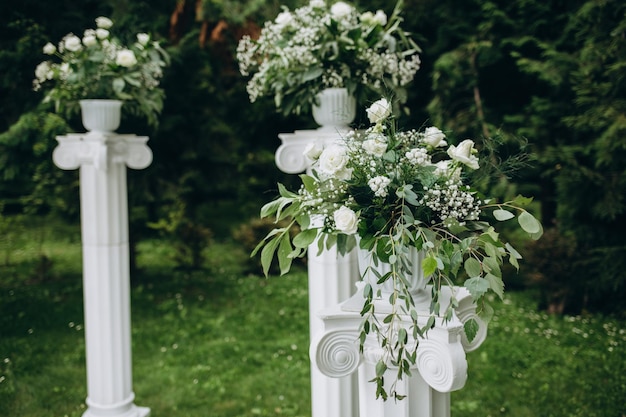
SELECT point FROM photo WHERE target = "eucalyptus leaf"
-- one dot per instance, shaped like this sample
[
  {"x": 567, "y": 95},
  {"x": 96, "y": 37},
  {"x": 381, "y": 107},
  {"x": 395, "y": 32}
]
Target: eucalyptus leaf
[
  {"x": 503, "y": 215},
  {"x": 529, "y": 223}
]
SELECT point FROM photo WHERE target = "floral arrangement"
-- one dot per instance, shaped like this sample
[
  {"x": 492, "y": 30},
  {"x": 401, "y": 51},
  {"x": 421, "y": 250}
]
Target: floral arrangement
[
  {"x": 318, "y": 46},
  {"x": 389, "y": 192},
  {"x": 99, "y": 66}
]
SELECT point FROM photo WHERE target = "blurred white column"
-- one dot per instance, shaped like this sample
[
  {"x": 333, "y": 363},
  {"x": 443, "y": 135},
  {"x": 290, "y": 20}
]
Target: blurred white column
[
  {"x": 332, "y": 279},
  {"x": 102, "y": 159}
]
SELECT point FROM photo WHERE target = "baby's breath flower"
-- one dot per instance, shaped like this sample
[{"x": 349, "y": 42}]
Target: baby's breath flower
[{"x": 301, "y": 52}]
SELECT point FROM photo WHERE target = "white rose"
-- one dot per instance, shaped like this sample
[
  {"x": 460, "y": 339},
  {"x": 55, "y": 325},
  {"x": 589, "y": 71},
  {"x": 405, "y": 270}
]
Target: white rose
[
  {"x": 89, "y": 40},
  {"x": 434, "y": 137},
  {"x": 346, "y": 220},
  {"x": 441, "y": 168},
  {"x": 283, "y": 19},
  {"x": 464, "y": 153},
  {"x": 333, "y": 160},
  {"x": 72, "y": 43},
  {"x": 125, "y": 58},
  {"x": 43, "y": 71},
  {"x": 317, "y": 4},
  {"x": 340, "y": 10},
  {"x": 376, "y": 146},
  {"x": 313, "y": 151},
  {"x": 367, "y": 18},
  {"x": 143, "y": 38},
  {"x": 49, "y": 49},
  {"x": 379, "y": 111},
  {"x": 104, "y": 22},
  {"x": 102, "y": 33},
  {"x": 64, "y": 69},
  {"x": 380, "y": 18}
]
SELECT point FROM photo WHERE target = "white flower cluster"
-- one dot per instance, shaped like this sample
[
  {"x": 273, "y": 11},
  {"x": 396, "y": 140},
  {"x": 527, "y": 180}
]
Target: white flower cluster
[
  {"x": 379, "y": 185},
  {"x": 382, "y": 161},
  {"x": 452, "y": 201},
  {"x": 418, "y": 156},
  {"x": 319, "y": 46},
  {"x": 99, "y": 66}
]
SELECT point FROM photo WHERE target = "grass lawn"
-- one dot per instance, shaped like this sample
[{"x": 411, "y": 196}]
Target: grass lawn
[{"x": 220, "y": 342}]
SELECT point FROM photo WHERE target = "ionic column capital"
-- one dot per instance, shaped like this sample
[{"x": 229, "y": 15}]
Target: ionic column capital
[
  {"x": 100, "y": 150},
  {"x": 290, "y": 157}
]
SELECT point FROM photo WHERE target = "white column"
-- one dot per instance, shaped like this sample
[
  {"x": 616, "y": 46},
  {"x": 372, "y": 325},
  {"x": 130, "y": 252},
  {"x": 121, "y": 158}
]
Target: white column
[
  {"x": 440, "y": 368},
  {"x": 331, "y": 281},
  {"x": 102, "y": 159}
]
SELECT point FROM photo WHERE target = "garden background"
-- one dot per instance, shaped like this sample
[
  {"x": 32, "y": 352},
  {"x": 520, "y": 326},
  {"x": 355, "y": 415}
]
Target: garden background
[{"x": 211, "y": 336}]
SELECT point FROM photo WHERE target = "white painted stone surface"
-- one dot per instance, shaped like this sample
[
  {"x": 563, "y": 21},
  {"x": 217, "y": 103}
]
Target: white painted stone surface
[{"x": 102, "y": 160}]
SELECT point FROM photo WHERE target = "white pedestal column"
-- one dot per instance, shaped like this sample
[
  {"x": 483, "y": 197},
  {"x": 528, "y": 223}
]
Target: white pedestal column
[
  {"x": 331, "y": 281},
  {"x": 441, "y": 365},
  {"x": 102, "y": 159}
]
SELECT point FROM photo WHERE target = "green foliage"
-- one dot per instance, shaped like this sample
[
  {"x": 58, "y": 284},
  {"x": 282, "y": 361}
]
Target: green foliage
[
  {"x": 548, "y": 72},
  {"x": 189, "y": 239},
  {"x": 190, "y": 333},
  {"x": 29, "y": 178},
  {"x": 100, "y": 66},
  {"x": 301, "y": 52},
  {"x": 235, "y": 11},
  {"x": 380, "y": 189}
]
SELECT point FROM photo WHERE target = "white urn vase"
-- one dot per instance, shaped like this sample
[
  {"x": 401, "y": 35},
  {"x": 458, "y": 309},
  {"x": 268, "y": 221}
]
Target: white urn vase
[
  {"x": 371, "y": 271},
  {"x": 101, "y": 115},
  {"x": 335, "y": 110}
]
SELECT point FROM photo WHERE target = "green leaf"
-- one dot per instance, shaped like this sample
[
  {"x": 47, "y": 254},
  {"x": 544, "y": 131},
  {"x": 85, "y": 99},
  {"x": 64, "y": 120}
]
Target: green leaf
[
  {"x": 472, "y": 267},
  {"x": 514, "y": 255},
  {"x": 503, "y": 215},
  {"x": 284, "y": 251},
  {"x": 308, "y": 182},
  {"x": 429, "y": 265},
  {"x": 529, "y": 223},
  {"x": 305, "y": 238},
  {"x": 381, "y": 367},
  {"x": 402, "y": 335},
  {"x": 520, "y": 200},
  {"x": 284, "y": 192},
  {"x": 471, "y": 329},
  {"x": 267, "y": 254},
  {"x": 312, "y": 73},
  {"x": 269, "y": 208},
  {"x": 496, "y": 284},
  {"x": 485, "y": 312},
  {"x": 492, "y": 266},
  {"x": 477, "y": 286}
]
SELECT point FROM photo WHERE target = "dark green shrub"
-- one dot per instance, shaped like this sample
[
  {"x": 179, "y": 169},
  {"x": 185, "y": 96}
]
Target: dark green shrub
[
  {"x": 551, "y": 264},
  {"x": 188, "y": 237}
]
